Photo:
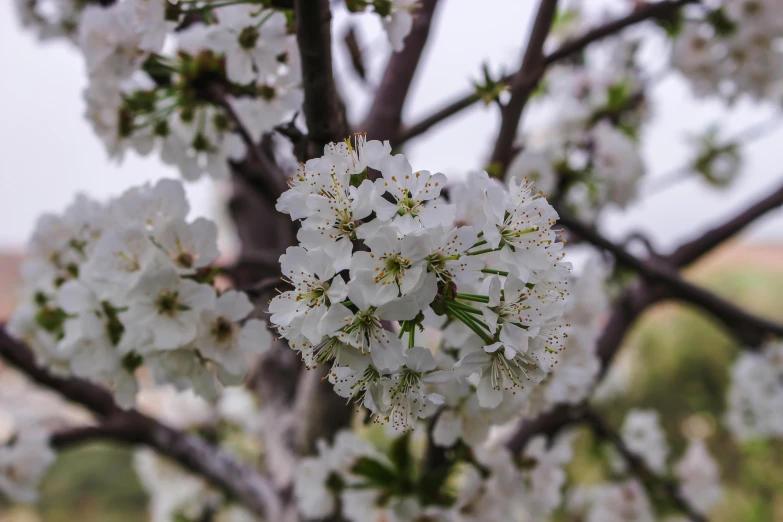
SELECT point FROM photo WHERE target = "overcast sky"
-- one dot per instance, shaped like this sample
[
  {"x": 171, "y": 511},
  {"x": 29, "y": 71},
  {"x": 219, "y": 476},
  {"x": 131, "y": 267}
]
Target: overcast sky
[{"x": 49, "y": 153}]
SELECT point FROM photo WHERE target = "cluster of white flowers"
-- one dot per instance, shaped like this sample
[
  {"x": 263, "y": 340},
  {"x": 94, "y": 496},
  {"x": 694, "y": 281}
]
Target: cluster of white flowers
[
  {"x": 643, "y": 435},
  {"x": 583, "y": 149},
  {"x": 756, "y": 394},
  {"x": 733, "y": 50},
  {"x": 699, "y": 477},
  {"x": 24, "y": 459},
  {"x": 493, "y": 487},
  {"x": 500, "y": 281},
  {"x": 573, "y": 378},
  {"x": 612, "y": 502},
  {"x": 143, "y": 97},
  {"x": 109, "y": 288},
  {"x": 697, "y": 473},
  {"x": 50, "y": 18}
]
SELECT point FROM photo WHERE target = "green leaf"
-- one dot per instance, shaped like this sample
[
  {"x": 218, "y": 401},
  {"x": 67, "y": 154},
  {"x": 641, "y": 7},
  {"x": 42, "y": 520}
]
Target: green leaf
[
  {"x": 564, "y": 17},
  {"x": 722, "y": 24},
  {"x": 401, "y": 456},
  {"x": 488, "y": 88},
  {"x": 51, "y": 319},
  {"x": 433, "y": 489},
  {"x": 357, "y": 179},
  {"x": 672, "y": 23},
  {"x": 617, "y": 95},
  {"x": 376, "y": 472}
]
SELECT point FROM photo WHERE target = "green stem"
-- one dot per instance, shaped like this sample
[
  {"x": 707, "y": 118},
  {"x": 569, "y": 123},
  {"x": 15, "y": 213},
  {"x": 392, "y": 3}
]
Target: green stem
[
  {"x": 484, "y": 251},
  {"x": 479, "y": 243},
  {"x": 491, "y": 271},
  {"x": 473, "y": 297},
  {"x": 462, "y": 317},
  {"x": 208, "y": 7},
  {"x": 265, "y": 18},
  {"x": 471, "y": 318},
  {"x": 465, "y": 307}
]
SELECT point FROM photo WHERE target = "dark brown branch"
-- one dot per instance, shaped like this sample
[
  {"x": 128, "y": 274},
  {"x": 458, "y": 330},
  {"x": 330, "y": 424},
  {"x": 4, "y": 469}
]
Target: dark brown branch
[
  {"x": 233, "y": 477},
  {"x": 259, "y": 169},
  {"x": 646, "y": 11},
  {"x": 637, "y": 466},
  {"x": 637, "y": 298},
  {"x": 107, "y": 431},
  {"x": 523, "y": 83},
  {"x": 323, "y": 109},
  {"x": 383, "y": 119},
  {"x": 693, "y": 250},
  {"x": 95, "y": 398},
  {"x": 325, "y": 116},
  {"x": 666, "y": 9},
  {"x": 548, "y": 424},
  {"x": 455, "y": 107},
  {"x": 748, "y": 328}
]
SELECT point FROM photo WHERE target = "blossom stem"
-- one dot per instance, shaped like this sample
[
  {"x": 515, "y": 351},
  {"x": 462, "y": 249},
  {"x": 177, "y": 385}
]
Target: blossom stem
[
  {"x": 471, "y": 318},
  {"x": 492, "y": 271},
  {"x": 465, "y": 307},
  {"x": 207, "y": 7},
  {"x": 466, "y": 320},
  {"x": 479, "y": 243},
  {"x": 484, "y": 251},
  {"x": 473, "y": 297},
  {"x": 265, "y": 18}
]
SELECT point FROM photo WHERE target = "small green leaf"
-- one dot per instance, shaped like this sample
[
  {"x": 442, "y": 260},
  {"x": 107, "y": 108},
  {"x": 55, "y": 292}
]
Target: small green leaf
[
  {"x": 376, "y": 472},
  {"x": 400, "y": 455},
  {"x": 722, "y": 24}
]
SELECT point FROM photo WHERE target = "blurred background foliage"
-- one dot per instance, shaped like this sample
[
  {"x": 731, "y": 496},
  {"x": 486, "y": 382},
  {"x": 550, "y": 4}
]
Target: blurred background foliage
[{"x": 676, "y": 361}]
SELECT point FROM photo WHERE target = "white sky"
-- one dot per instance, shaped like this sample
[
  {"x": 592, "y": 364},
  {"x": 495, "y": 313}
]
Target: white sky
[{"x": 49, "y": 153}]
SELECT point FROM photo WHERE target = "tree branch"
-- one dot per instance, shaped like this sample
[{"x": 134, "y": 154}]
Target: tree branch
[
  {"x": 323, "y": 109},
  {"x": 693, "y": 250},
  {"x": 325, "y": 117},
  {"x": 385, "y": 114},
  {"x": 748, "y": 328},
  {"x": 637, "y": 298},
  {"x": 637, "y": 466},
  {"x": 233, "y": 477},
  {"x": 259, "y": 169},
  {"x": 646, "y": 11},
  {"x": 523, "y": 83}
]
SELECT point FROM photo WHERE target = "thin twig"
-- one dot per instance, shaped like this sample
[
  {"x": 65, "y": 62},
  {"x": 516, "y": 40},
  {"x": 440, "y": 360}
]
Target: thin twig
[
  {"x": 646, "y": 11},
  {"x": 383, "y": 119},
  {"x": 747, "y": 135},
  {"x": 264, "y": 175},
  {"x": 523, "y": 84},
  {"x": 691, "y": 251},
  {"x": 750, "y": 329}
]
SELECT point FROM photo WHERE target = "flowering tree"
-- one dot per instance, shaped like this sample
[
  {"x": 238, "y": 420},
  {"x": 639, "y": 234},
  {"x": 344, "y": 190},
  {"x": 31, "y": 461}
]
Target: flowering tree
[{"x": 447, "y": 311}]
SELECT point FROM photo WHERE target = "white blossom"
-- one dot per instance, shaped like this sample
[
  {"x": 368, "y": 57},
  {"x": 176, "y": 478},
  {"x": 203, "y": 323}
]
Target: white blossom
[
  {"x": 643, "y": 435},
  {"x": 251, "y": 39},
  {"x": 23, "y": 463}
]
